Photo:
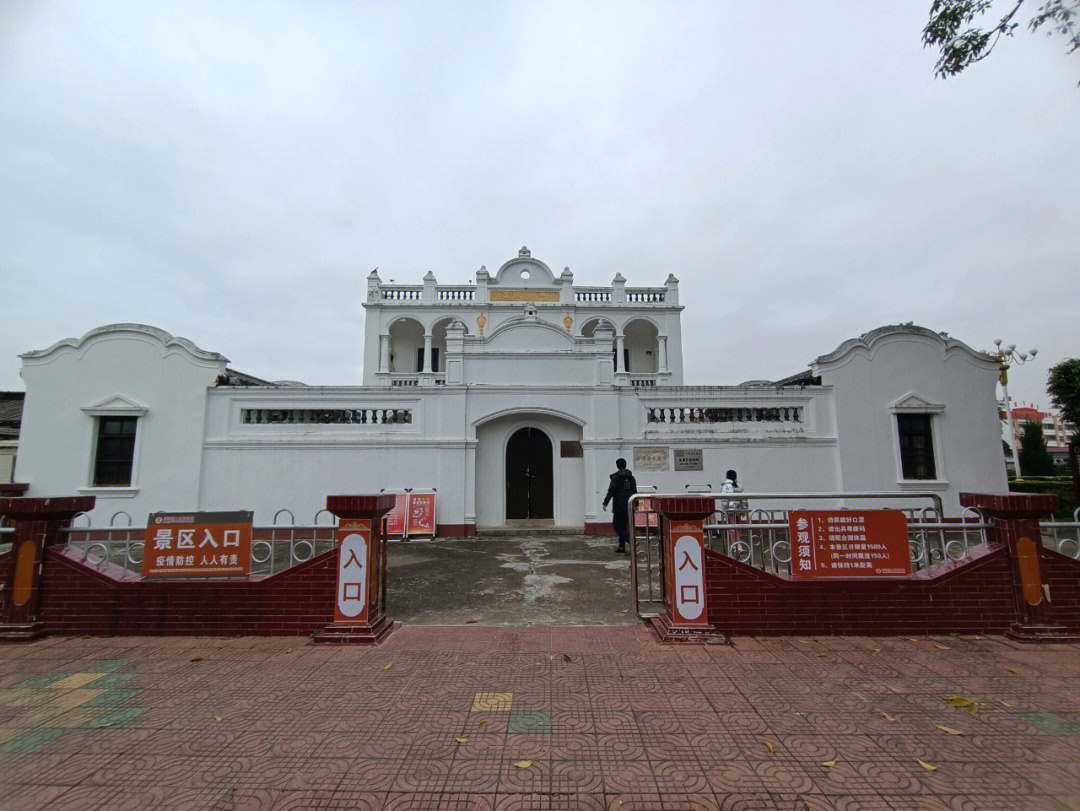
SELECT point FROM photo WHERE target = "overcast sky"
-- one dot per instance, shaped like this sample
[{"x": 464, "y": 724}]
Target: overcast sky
[{"x": 230, "y": 172}]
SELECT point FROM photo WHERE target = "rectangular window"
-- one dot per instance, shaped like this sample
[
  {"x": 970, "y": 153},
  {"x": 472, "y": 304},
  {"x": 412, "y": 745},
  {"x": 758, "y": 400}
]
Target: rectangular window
[
  {"x": 916, "y": 446},
  {"x": 115, "y": 451}
]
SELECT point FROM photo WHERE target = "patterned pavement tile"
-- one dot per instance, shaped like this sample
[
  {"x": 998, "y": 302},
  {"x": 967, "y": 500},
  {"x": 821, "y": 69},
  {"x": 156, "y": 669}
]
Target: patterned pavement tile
[{"x": 625, "y": 723}]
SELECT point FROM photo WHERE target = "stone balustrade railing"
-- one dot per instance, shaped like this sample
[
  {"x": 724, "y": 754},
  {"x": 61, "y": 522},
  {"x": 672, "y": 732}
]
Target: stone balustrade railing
[
  {"x": 455, "y": 294},
  {"x": 410, "y": 293},
  {"x": 471, "y": 294},
  {"x": 721, "y": 414},
  {"x": 326, "y": 416}
]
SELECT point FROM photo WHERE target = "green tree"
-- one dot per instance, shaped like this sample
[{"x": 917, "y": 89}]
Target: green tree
[
  {"x": 961, "y": 43},
  {"x": 1063, "y": 383},
  {"x": 1035, "y": 459}
]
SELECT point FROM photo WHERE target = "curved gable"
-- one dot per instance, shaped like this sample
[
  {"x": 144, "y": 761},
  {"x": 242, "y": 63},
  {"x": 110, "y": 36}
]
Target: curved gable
[{"x": 168, "y": 344}]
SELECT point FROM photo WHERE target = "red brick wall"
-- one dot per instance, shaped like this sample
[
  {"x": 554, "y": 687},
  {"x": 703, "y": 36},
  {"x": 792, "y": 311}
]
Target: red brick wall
[
  {"x": 1062, "y": 576},
  {"x": 7, "y": 560},
  {"x": 972, "y": 596},
  {"x": 78, "y": 599}
]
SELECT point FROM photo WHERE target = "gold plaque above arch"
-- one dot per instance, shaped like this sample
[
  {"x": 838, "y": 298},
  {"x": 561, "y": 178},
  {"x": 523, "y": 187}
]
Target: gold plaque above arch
[{"x": 524, "y": 295}]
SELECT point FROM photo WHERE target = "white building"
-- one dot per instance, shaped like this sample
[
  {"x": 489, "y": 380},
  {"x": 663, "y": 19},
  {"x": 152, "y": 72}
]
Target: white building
[{"x": 512, "y": 397}]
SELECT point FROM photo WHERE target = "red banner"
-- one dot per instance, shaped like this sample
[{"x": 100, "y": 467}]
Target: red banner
[
  {"x": 421, "y": 514},
  {"x": 210, "y": 544},
  {"x": 644, "y": 515},
  {"x": 849, "y": 543},
  {"x": 395, "y": 519}
]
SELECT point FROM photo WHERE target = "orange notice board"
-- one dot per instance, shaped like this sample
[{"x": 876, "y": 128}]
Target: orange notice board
[
  {"x": 421, "y": 514},
  {"x": 206, "y": 544},
  {"x": 849, "y": 543},
  {"x": 395, "y": 519}
]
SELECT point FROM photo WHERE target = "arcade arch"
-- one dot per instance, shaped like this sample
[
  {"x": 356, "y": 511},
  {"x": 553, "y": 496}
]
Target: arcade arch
[{"x": 406, "y": 345}]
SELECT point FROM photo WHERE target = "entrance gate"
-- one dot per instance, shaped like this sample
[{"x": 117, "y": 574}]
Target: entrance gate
[{"x": 529, "y": 476}]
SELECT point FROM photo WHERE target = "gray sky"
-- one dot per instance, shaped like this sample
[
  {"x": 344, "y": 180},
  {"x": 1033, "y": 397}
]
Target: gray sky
[{"x": 231, "y": 172}]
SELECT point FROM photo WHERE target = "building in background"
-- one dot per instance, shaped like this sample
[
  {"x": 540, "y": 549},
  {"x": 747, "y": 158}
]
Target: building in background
[
  {"x": 1055, "y": 430},
  {"x": 512, "y": 397}
]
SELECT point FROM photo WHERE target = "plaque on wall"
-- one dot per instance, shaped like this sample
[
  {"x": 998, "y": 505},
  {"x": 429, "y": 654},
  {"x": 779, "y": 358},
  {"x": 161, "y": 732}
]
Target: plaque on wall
[
  {"x": 689, "y": 459},
  {"x": 651, "y": 459},
  {"x": 570, "y": 449}
]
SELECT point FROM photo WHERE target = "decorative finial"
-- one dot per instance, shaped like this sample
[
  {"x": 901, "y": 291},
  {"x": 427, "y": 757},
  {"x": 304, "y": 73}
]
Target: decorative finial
[{"x": 524, "y": 251}]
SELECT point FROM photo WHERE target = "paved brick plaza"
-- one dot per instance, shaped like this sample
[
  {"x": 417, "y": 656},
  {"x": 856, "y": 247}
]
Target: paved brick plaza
[{"x": 605, "y": 717}]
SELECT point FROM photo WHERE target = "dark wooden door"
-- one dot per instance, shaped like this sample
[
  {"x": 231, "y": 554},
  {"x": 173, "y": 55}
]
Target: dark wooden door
[{"x": 529, "y": 475}]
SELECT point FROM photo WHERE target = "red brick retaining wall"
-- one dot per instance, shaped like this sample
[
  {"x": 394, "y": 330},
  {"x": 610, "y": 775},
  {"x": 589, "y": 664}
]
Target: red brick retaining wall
[
  {"x": 967, "y": 597},
  {"x": 79, "y": 599}
]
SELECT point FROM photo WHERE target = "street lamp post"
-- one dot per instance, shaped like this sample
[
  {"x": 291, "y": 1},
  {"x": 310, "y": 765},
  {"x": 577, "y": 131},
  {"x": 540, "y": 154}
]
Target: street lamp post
[{"x": 1010, "y": 357}]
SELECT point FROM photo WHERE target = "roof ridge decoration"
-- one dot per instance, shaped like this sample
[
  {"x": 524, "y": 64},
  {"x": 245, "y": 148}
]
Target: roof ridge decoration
[
  {"x": 169, "y": 343},
  {"x": 869, "y": 340}
]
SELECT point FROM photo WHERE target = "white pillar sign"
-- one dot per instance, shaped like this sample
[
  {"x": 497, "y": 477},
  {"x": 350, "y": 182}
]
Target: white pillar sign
[
  {"x": 689, "y": 578},
  {"x": 353, "y": 574}
]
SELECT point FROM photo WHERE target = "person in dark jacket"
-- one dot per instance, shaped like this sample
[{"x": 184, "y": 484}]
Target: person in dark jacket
[{"x": 619, "y": 491}]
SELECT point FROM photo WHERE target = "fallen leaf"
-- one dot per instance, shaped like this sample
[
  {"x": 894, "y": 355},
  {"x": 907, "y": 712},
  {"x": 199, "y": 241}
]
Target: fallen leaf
[
  {"x": 566, "y": 658},
  {"x": 471, "y": 622},
  {"x": 828, "y": 764},
  {"x": 197, "y": 659},
  {"x": 288, "y": 650},
  {"x": 626, "y": 611},
  {"x": 804, "y": 641},
  {"x": 888, "y": 717},
  {"x": 106, "y": 724},
  {"x": 1007, "y": 704},
  {"x": 950, "y": 730},
  {"x": 1012, "y": 670},
  {"x": 217, "y": 717},
  {"x": 876, "y": 650},
  {"x": 822, "y": 655},
  {"x": 523, "y": 764},
  {"x": 955, "y": 634},
  {"x": 483, "y": 724},
  {"x": 939, "y": 646},
  {"x": 926, "y": 765},
  {"x": 911, "y": 639},
  {"x": 965, "y": 703},
  {"x": 389, "y": 666},
  {"x": 462, "y": 740},
  {"x": 598, "y": 622}
]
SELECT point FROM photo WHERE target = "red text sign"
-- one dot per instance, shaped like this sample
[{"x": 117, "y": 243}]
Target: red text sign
[
  {"x": 356, "y": 582},
  {"x": 395, "y": 519},
  {"x": 849, "y": 543},
  {"x": 421, "y": 514},
  {"x": 684, "y": 559},
  {"x": 208, "y": 544}
]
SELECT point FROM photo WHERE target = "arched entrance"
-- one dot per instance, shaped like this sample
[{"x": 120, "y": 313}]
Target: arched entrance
[{"x": 530, "y": 485}]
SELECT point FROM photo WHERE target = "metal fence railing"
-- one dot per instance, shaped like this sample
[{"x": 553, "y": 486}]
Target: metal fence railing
[
  {"x": 1063, "y": 536},
  {"x": 759, "y": 536},
  {"x": 274, "y": 548}
]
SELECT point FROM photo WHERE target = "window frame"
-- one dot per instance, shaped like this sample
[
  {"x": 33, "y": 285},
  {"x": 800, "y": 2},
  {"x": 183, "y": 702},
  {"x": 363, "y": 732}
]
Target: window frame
[
  {"x": 912, "y": 403},
  {"x": 115, "y": 406},
  {"x": 101, "y": 421}
]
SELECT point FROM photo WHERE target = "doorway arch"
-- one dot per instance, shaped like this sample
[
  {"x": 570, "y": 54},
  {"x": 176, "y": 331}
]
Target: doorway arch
[{"x": 530, "y": 476}]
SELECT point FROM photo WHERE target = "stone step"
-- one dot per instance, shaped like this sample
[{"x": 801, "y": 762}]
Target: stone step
[{"x": 517, "y": 532}]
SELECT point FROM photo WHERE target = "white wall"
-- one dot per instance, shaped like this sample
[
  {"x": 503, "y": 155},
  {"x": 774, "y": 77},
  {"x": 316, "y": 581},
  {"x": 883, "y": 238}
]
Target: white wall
[
  {"x": 871, "y": 374},
  {"x": 118, "y": 367}
]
